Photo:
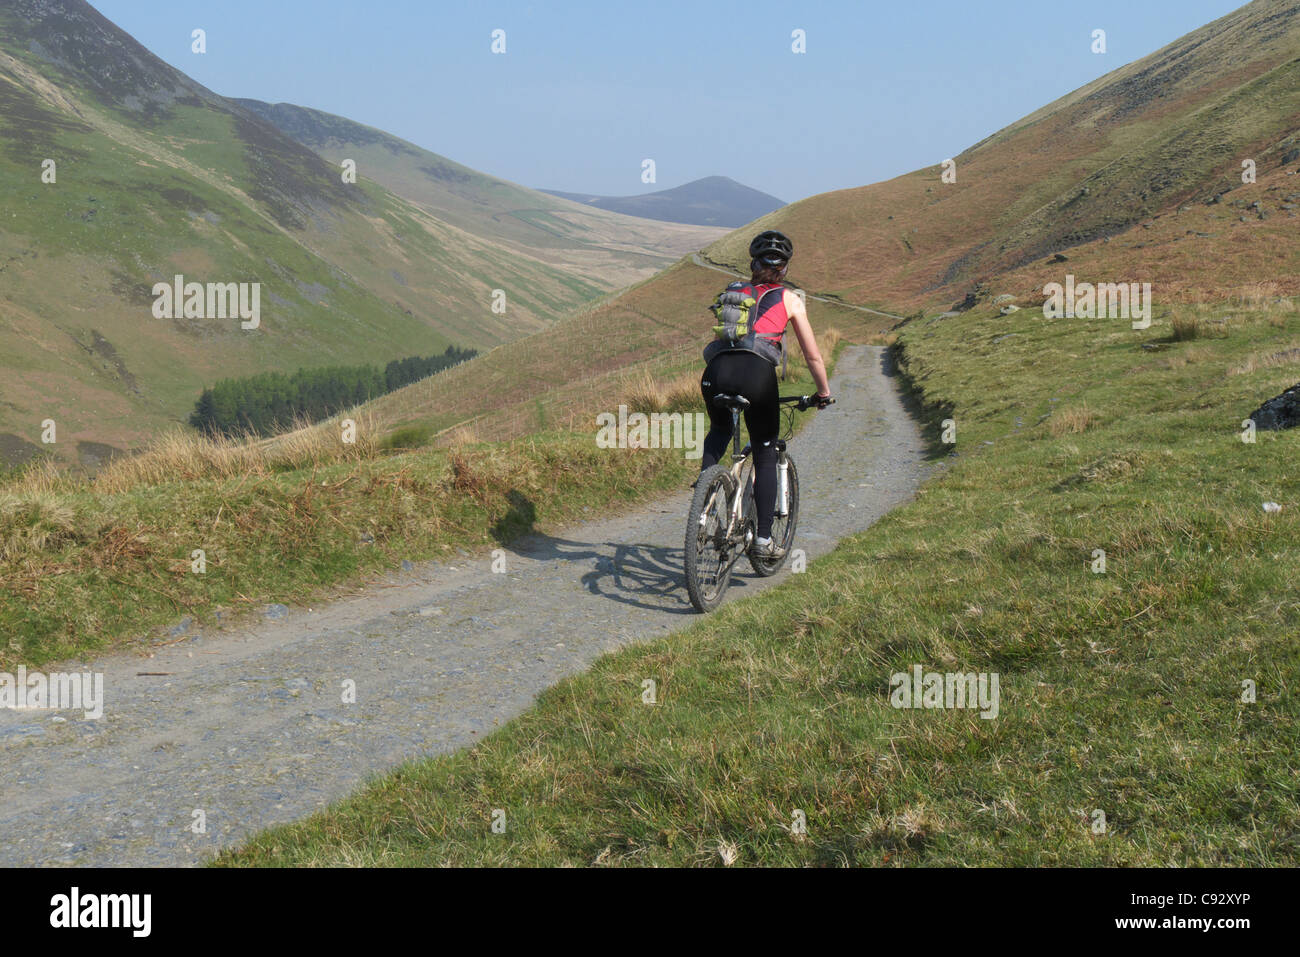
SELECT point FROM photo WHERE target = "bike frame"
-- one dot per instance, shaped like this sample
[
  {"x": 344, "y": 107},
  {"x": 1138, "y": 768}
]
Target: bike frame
[{"x": 738, "y": 458}]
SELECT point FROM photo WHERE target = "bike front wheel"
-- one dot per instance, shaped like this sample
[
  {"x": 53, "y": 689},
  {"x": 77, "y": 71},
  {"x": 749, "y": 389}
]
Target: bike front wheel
[{"x": 708, "y": 548}]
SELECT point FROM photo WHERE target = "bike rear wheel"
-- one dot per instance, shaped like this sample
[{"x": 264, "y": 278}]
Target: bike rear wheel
[
  {"x": 709, "y": 557},
  {"x": 783, "y": 527}
]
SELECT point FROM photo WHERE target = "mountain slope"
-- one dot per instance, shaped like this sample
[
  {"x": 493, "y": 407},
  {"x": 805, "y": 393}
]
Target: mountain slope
[
  {"x": 711, "y": 201},
  {"x": 155, "y": 176},
  {"x": 1167, "y": 130},
  {"x": 607, "y": 249},
  {"x": 847, "y": 243}
]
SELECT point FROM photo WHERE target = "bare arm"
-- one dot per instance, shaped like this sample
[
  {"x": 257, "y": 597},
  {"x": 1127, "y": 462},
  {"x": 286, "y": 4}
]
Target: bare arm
[{"x": 794, "y": 308}]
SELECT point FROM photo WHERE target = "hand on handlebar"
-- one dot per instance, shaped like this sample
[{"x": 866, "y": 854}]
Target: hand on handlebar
[{"x": 818, "y": 401}]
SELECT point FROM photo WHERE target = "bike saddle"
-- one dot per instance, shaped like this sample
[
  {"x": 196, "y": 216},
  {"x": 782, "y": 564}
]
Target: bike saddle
[{"x": 730, "y": 401}]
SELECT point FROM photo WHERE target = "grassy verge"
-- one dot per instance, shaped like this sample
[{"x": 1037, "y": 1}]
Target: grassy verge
[
  {"x": 1121, "y": 691},
  {"x": 88, "y": 570}
]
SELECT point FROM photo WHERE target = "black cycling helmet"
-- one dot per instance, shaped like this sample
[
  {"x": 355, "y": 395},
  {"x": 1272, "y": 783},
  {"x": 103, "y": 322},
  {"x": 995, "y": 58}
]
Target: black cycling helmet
[{"x": 771, "y": 248}]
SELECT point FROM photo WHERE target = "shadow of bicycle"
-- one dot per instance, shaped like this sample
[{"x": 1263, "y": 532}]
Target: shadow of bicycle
[{"x": 636, "y": 574}]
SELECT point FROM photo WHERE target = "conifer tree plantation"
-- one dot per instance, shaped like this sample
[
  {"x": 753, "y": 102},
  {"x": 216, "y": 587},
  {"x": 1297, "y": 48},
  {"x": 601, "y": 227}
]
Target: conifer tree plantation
[{"x": 272, "y": 401}]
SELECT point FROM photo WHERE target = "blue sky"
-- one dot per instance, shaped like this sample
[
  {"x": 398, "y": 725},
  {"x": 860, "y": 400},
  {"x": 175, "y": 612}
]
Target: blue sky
[{"x": 587, "y": 90}]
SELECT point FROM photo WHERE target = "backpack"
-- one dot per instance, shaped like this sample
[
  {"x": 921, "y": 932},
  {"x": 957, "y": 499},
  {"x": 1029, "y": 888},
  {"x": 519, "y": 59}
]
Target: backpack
[{"x": 737, "y": 311}]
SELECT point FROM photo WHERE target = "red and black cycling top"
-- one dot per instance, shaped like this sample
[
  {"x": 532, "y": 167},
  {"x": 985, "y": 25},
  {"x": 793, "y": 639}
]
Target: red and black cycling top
[{"x": 772, "y": 320}]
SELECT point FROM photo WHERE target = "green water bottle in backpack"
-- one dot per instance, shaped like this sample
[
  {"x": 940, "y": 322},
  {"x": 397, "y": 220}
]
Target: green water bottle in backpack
[{"x": 737, "y": 309}]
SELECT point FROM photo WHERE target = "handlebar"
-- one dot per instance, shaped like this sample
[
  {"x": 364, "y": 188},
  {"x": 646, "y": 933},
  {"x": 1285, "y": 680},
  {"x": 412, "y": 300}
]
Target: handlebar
[{"x": 804, "y": 402}]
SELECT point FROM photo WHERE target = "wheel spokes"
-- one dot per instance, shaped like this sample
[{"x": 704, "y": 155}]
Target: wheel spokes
[{"x": 711, "y": 541}]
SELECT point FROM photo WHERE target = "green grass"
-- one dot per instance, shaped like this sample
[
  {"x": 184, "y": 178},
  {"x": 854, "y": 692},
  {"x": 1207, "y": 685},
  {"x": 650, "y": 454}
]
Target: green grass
[{"x": 1120, "y": 692}]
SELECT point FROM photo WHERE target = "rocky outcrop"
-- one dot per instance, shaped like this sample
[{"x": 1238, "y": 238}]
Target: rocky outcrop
[{"x": 1279, "y": 412}]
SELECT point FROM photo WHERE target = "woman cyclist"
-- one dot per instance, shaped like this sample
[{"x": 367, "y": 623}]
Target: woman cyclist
[{"x": 752, "y": 373}]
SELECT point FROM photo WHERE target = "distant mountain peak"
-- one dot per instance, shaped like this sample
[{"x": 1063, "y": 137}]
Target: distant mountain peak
[{"x": 710, "y": 201}]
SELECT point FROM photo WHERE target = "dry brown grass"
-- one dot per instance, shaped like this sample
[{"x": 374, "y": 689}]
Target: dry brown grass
[
  {"x": 182, "y": 455},
  {"x": 462, "y": 436},
  {"x": 41, "y": 477},
  {"x": 1264, "y": 297},
  {"x": 1185, "y": 328},
  {"x": 649, "y": 393},
  {"x": 828, "y": 341},
  {"x": 1075, "y": 419},
  {"x": 1248, "y": 306},
  {"x": 1189, "y": 356},
  {"x": 33, "y": 522},
  {"x": 1288, "y": 356}
]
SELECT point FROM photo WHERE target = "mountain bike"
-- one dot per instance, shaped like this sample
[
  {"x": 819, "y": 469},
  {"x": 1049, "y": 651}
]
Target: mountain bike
[{"x": 722, "y": 523}]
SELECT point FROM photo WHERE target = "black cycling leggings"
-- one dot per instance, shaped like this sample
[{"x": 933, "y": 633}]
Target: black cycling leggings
[{"x": 750, "y": 375}]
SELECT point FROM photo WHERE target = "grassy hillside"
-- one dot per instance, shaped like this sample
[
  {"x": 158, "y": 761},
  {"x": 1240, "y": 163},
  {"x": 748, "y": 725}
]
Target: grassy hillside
[
  {"x": 1119, "y": 691},
  {"x": 1123, "y": 686},
  {"x": 563, "y": 376},
  {"x": 155, "y": 175},
  {"x": 607, "y": 249},
  {"x": 1168, "y": 130}
]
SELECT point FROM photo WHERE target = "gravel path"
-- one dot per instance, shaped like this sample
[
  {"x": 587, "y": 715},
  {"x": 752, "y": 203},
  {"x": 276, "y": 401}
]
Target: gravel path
[{"x": 248, "y": 725}]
